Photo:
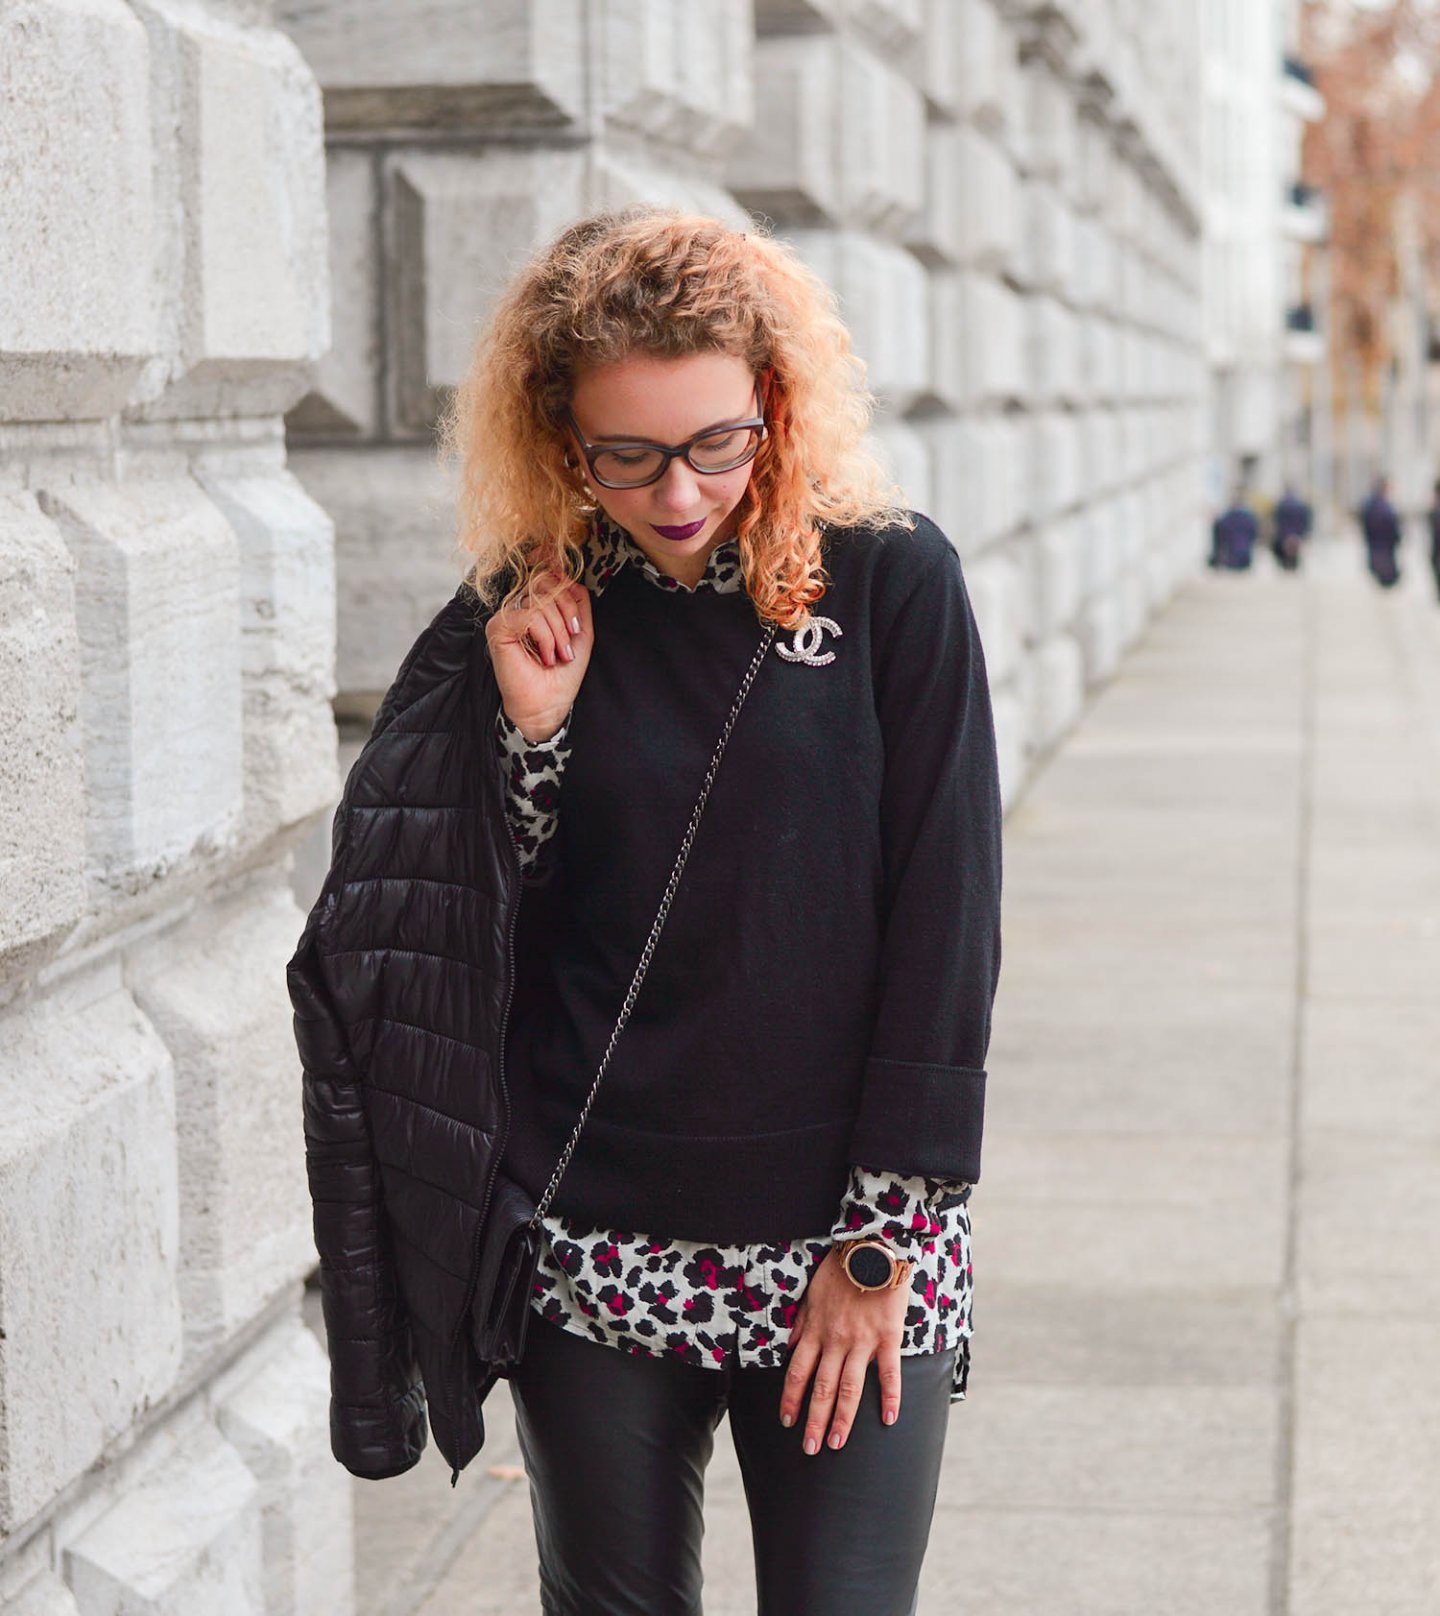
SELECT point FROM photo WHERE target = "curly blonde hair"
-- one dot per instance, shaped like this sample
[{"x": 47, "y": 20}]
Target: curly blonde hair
[{"x": 664, "y": 283}]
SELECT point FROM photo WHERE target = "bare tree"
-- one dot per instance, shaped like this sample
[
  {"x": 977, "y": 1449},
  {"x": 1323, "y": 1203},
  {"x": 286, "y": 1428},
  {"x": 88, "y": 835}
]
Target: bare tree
[{"x": 1378, "y": 143}]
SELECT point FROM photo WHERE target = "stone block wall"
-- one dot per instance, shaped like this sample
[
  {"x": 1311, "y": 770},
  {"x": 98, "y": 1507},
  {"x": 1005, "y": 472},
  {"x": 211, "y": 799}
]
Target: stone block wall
[
  {"x": 166, "y": 685},
  {"x": 1001, "y": 192}
]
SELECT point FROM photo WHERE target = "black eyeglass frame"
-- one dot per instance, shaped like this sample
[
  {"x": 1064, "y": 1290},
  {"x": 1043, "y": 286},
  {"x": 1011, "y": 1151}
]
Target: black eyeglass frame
[{"x": 755, "y": 424}]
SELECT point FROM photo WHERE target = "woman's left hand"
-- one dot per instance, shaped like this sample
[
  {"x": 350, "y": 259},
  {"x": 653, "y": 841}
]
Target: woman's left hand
[{"x": 838, "y": 1330}]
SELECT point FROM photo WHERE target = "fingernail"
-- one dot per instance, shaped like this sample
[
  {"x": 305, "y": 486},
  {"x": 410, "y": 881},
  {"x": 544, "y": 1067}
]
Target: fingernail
[
  {"x": 890, "y": 1416},
  {"x": 787, "y": 1420},
  {"x": 811, "y": 1445},
  {"x": 835, "y": 1439},
  {"x": 574, "y": 625},
  {"x": 568, "y": 652}
]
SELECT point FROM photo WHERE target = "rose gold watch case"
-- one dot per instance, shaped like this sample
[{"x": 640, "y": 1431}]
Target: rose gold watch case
[{"x": 899, "y": 1266}]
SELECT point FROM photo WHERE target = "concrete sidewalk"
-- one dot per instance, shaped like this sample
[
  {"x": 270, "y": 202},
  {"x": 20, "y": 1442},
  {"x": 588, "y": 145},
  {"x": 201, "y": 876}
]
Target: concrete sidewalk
[{"x": 1208, "y": 1238}]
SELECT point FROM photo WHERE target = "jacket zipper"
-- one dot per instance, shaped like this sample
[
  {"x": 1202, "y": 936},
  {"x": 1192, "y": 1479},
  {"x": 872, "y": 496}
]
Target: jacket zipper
[{"x": 514, "y": 912}]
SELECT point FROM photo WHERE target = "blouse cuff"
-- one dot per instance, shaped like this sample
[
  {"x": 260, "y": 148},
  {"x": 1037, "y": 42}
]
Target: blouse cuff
[
  {"x": 891, "y": 1206},
  {"x": 532, "y": 785}
]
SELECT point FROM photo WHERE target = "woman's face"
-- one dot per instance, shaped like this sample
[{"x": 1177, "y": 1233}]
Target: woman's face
[{"x": 679, "y": 520}]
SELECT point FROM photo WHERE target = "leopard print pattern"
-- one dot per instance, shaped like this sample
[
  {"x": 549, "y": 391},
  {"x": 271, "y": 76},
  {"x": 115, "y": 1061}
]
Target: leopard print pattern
[
  {"x": 711, "y": 1305},
  {"x": 608, "y": 548}
]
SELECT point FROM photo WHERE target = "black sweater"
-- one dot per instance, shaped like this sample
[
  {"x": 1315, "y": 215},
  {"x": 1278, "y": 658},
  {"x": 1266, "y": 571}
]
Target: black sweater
[{"x": 821, "y": 992}]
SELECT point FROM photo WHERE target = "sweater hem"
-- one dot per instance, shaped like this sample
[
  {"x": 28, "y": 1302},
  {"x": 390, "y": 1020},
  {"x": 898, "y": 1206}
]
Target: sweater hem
[{"x": 682, "y": 1187}]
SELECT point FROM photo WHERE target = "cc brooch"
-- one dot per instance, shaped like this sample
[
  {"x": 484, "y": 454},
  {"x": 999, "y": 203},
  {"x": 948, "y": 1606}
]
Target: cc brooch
[{"x": 806, "y": 642}]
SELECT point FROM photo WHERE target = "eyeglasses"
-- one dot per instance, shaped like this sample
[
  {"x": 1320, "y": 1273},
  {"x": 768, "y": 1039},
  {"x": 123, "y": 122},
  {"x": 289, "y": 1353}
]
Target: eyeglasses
[{"x": 638, "y": 464}]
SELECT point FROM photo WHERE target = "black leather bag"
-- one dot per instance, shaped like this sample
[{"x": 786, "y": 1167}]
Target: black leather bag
[
  {"x": 509, "y": 1254},
  {"x": 510, "y": 1239}
]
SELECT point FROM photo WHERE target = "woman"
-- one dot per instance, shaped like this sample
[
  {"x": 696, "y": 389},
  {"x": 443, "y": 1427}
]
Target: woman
[
  {"x": 765, "y": 1215},
  {"x": 1380, "y": 526}
]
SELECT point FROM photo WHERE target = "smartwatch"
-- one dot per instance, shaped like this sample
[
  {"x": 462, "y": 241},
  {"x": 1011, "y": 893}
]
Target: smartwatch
[{"x": 872, "y": 1265}]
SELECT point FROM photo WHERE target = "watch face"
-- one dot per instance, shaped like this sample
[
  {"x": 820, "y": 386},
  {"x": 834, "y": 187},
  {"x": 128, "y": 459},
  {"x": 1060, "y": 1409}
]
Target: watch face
[{"x": 869, "y": 1267}]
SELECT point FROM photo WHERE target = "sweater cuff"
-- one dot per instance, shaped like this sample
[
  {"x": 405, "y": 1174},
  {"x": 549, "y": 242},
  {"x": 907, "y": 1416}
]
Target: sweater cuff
[{"x": 921, "y": 1119}]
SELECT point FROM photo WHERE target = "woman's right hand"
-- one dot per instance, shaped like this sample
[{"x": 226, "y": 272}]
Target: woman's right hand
[{"x": 540, "y": 654}]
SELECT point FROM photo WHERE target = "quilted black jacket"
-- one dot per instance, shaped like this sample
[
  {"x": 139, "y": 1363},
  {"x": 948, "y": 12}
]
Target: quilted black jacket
[{"x": 409, "y": 975}]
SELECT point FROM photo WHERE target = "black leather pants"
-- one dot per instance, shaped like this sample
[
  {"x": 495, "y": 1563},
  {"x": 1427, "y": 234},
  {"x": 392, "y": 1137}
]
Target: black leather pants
[{"x": 616, "y": 1445}]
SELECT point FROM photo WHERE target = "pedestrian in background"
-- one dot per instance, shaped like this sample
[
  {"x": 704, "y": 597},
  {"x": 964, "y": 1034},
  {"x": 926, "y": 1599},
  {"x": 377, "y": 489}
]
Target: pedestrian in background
[
  {"x": 1381, "y": 528},
  {"x": 664, "y": 478},
  {"x": 1434, "y": 519},
  {"x": 1291, "y": 521},
  {"x": 1233, "y": 535}
]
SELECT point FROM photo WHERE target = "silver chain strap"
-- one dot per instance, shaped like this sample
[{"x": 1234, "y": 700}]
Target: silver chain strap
[{"x": 655, "y": 929}]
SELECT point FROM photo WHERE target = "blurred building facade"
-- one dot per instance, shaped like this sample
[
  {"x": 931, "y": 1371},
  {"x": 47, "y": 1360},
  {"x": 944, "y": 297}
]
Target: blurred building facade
[
  {"x": 1265, "y": 264},
  {"x": 217, "y": 424}
]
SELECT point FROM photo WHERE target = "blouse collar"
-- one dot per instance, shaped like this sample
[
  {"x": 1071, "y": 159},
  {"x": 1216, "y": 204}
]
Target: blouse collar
[{"x": 608, "y": 549}]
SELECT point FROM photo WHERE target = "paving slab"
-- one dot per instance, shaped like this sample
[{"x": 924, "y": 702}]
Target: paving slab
[
  {"x": 1361, "y": 1071},
  {"x": 1123, "y": 1448},
  {"x": 1188, "y": 1070},
  {"x": 1355, "y": 1559},
  {"x": 1369, "y": 1216},
  {"x": 1079, "y": 1338},
  {"x": 1079, "y": 1562},
  {"x": 1123, "y": 1246}
]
